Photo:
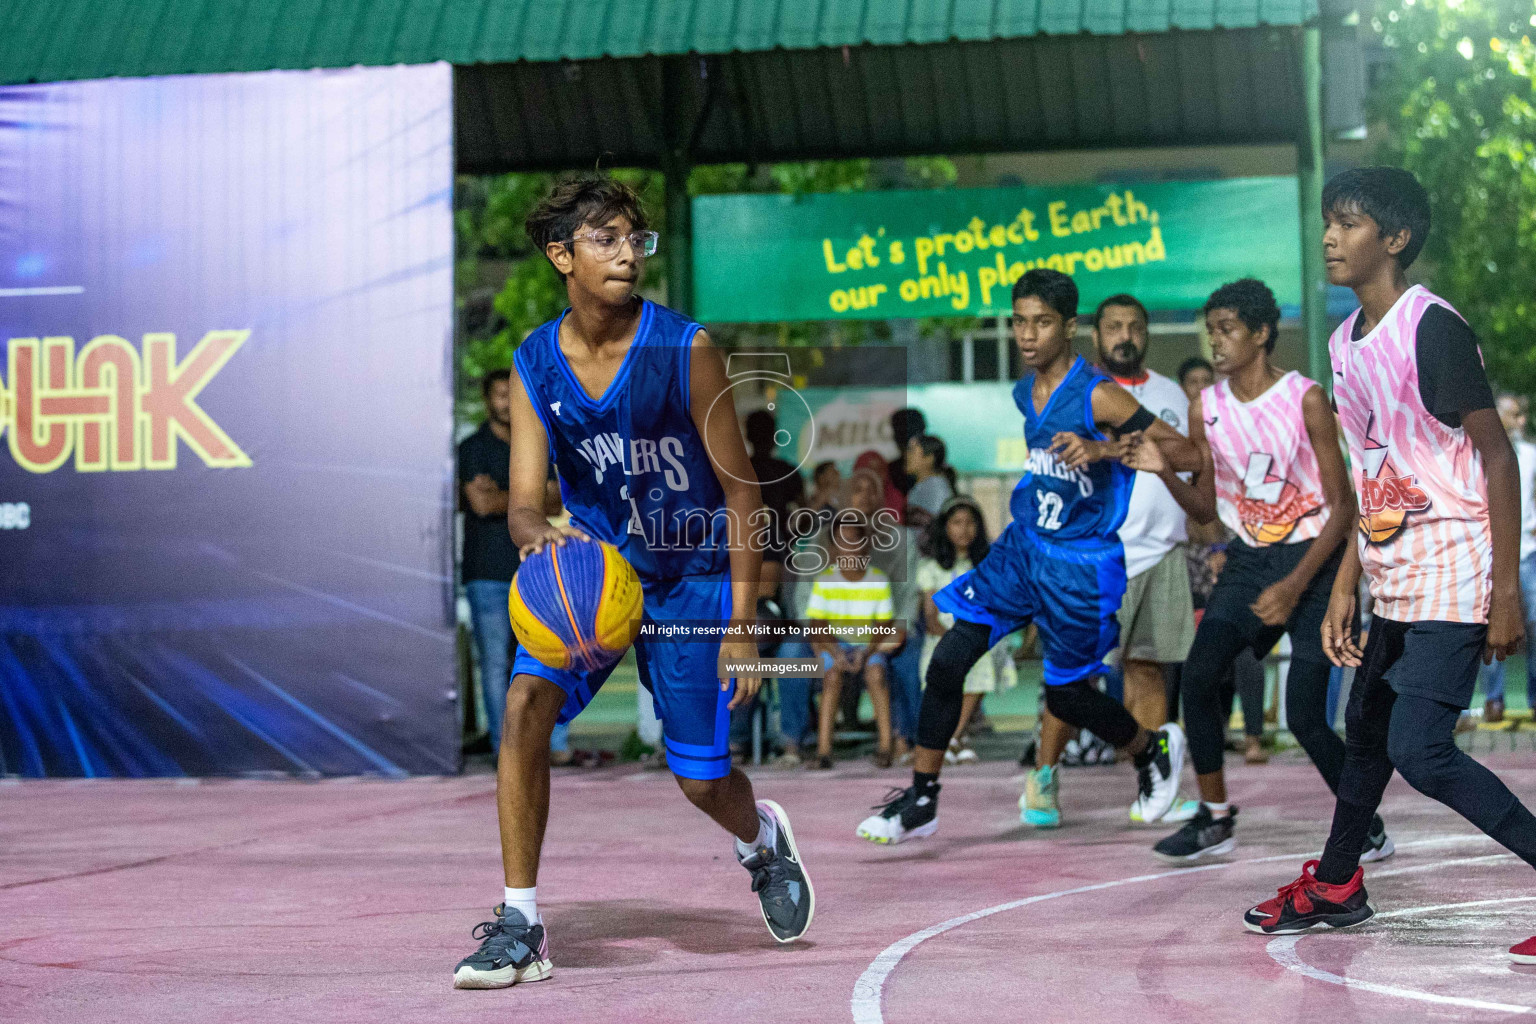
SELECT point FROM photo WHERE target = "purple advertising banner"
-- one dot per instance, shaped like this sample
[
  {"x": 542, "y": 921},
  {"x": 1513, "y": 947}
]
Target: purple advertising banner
[{"x": 226, "y": 308}]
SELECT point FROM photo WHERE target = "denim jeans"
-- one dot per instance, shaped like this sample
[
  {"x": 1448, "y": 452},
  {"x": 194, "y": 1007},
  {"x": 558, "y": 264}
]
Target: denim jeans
[
  {"x": 1492, "y": 676},
  {"x": 496, "y": 647},
  {"x": 906, "y": 693},
  {"x": 493, "y": 646},
  {"x": 907, "y": 686},
  {"x": 794, "y": 696}
]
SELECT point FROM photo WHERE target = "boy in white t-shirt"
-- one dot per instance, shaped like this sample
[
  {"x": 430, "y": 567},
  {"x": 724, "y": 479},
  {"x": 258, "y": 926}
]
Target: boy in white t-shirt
[{"x": 850, "y": 598}]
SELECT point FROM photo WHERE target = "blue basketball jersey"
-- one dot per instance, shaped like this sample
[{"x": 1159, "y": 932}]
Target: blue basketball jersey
[
  {"x": 633, "y": 469},
  {"x": 1051, "y": 500}
]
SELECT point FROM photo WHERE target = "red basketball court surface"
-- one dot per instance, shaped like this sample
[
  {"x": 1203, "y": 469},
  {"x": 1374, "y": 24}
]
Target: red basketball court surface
[{"x": 275, "y": 901}]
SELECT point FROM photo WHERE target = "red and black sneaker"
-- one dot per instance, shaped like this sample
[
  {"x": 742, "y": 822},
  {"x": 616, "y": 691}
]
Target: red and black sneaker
[
  {"x": 1524, "y": 952},
  {"x": 1306, "y": 903}
]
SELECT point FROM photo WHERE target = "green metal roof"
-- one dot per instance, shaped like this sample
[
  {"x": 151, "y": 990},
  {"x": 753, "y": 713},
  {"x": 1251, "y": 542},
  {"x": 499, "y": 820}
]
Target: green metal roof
[{"x": 54, "y": 40}]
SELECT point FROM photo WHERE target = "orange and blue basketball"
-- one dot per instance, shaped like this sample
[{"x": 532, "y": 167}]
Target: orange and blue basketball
[{"x": 576, "y": 605}]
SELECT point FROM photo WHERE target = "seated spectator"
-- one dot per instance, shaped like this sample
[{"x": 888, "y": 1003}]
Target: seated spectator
[
  {"x": 933, "y": 479},
  {"x": 954, "y": 543},
  {"x": 852, "y": 593},
  {"x": 869, "y": 493}
]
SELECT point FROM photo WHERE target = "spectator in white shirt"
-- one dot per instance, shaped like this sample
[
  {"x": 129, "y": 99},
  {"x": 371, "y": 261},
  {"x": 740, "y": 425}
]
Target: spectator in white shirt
[{"x": 1157, "y": 620}]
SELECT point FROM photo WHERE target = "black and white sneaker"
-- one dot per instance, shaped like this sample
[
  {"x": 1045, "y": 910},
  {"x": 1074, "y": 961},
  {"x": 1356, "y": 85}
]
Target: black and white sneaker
[
  {"x": 511, "y": 952},
  {"x": 1378, "y": 845},
  {"x": 1202, "y": 836},
  {"x": 779, "y": 879},
  {"x": 903, "y": 816},
  {"x": 1157, "y": 776}
]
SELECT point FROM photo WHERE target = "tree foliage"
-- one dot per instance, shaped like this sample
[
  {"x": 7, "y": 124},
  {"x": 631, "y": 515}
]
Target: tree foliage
[{"x": 1458, "y": 100}]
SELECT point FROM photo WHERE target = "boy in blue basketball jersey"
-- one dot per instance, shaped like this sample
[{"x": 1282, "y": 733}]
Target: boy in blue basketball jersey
[
  {"x": 627, "y": 400},
  {"x": 1059, "y": 564}
]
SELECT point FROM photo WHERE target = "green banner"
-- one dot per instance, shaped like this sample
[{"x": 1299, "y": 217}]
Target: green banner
[{"x": 956, "y": 252}]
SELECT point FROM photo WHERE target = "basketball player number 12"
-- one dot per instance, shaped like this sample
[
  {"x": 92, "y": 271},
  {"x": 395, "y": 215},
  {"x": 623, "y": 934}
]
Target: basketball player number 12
[{"x": 1050, "y": 510}]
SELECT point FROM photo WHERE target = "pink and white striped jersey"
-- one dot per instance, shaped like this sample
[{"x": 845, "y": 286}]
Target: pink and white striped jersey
[
  {"x": 1425, "y": 542},
  {"x": 1268, "y": 487}
]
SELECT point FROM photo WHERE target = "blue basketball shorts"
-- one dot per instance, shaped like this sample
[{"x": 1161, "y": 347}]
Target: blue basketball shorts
[
  {"x": 1071, "y": 591},
  {"x": 682, "y": 674}
]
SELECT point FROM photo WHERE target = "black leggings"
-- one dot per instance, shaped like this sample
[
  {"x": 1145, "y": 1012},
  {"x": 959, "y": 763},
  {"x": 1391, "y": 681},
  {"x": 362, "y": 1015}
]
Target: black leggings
[
  {"x": 1243, "y": 682},
  {"x": 1217, "y": 645},
  {"x": 1416, "y": 735},
  {"x": 1078, "y": 704}
]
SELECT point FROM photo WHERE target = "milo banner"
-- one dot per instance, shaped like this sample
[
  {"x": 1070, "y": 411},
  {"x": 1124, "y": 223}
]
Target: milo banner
[
  {"x": 957, "y": 252},
  {"x": 226, "y": 308}
]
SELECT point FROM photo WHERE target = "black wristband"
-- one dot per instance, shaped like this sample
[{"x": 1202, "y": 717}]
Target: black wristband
[{"x": 1141, "y": 419}]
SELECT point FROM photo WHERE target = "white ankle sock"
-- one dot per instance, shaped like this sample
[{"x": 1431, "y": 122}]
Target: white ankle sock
[
  {"x": 1220, "y": 810},
  {"x": 765, "y": 837},
  {"x": 524, "y": 901}
]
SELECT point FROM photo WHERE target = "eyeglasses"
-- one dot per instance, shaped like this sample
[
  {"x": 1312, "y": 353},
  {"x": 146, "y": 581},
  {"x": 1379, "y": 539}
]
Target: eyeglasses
[{"x": 607, "y": 243}]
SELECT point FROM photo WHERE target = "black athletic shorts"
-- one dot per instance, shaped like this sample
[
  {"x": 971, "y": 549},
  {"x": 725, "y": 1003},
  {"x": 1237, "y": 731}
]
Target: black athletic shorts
[
  {"x": 1435, "y": 660},
  {"x": 1248, "y": 572}
]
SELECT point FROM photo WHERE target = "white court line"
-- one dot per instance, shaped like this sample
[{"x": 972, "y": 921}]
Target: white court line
[
  {"x": 1283, "y": 951},
  {"x": 58, "y": 289},
  {"x": 869, "y": 989},
  {"x": 1437, "y": 865}
]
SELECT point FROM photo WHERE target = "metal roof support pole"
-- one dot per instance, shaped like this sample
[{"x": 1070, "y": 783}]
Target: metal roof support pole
[
  {"x": 1309, "y": 180},
  {"x": 679, "y": 240},
  {"x": 678, "y": 129}
]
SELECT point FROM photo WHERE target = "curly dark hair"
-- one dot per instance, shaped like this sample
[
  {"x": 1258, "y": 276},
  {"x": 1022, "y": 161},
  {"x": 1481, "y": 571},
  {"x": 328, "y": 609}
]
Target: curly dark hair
[
  {"x": 1253, "y": 303},
  {"x": 936, "y": 543}
]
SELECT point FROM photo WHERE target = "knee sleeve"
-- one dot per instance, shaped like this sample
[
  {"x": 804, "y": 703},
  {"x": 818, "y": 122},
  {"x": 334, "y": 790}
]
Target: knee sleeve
[
  {"x": 958, "y": 650},
  {"x": 1080, "y": 704}
]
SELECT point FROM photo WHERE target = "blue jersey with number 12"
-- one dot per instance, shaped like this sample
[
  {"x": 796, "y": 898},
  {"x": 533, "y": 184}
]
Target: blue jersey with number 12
[{"x": 1051, "y": 500}]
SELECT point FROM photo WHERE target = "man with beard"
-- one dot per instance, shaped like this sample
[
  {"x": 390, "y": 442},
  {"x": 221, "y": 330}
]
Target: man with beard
[{"x": 1157, "y": 620}]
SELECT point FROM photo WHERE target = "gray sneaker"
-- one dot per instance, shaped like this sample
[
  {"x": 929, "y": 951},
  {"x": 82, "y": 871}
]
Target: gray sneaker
[
  {"x": 511, "y": 952},
  {"x": 779, "y": 879}
]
